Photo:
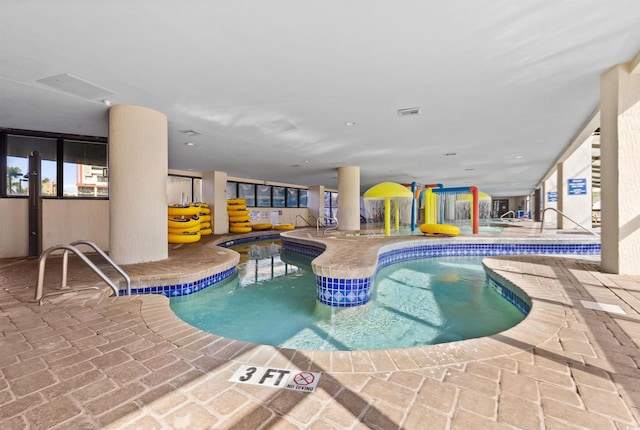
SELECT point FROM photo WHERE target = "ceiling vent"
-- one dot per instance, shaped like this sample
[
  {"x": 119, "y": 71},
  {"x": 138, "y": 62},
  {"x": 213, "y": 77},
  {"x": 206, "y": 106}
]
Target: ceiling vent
[
  {"x": 409, "y": 111},
  {"x": 73, "y": 85}
]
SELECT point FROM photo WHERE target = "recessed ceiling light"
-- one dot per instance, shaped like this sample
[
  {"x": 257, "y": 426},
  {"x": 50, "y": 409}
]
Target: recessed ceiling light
[
  {"x": 518, "y": 157},
  {"x": 107, "y": 102},
  {"x": 350, "y": 123},
  {"x": 190, "y": 132},
  {"x": 306, "y": 161},
  {"x": 190, "y": 144}
]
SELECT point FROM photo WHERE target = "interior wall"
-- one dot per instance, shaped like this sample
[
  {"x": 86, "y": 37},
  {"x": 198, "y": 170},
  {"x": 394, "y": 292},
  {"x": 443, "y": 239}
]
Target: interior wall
[
  {"x": 65, "y": 221},
  {"x": 14, "y": 228}
]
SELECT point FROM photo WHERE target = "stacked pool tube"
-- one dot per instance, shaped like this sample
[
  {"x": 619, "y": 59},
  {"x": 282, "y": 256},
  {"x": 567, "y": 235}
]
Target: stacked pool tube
[
  {"x": 188, "y": 223},
  {"x": 239, "y": 220}
]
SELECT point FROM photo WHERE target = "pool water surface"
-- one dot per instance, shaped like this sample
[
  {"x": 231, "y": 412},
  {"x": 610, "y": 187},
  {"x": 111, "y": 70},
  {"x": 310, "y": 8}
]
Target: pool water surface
[{"x": 272, "y": 301}]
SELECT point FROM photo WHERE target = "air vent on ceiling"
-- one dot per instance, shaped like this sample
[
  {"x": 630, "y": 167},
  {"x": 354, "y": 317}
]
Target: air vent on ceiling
[
  {"x": 73, "y": 85},
  {"x": 409, "y": 111}
]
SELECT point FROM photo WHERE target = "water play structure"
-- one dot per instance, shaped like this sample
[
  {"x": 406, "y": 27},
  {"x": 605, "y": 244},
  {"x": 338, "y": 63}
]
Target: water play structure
[
  {"x": 394, "y": 196},
  {"x": 440, "y": 206}
]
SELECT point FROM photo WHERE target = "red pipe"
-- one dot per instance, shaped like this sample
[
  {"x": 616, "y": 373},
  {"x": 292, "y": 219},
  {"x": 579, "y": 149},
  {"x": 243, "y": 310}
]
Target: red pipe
[{"x": 475, "y": 219}]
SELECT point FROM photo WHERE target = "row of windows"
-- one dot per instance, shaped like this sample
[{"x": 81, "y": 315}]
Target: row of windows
[
  {"x": 69, "y": 166},
  {"x": 268, "y": 196}
]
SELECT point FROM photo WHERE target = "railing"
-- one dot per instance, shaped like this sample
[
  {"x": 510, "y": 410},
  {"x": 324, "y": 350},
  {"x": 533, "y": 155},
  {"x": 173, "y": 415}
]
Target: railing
[
  {"x": 557, "y": 211},
  {"x": 303, "y": 219},
  {"x": 39, "y": 296},
  {"x": 507, "y": 213},
  {"x": 325, "y": 224}
]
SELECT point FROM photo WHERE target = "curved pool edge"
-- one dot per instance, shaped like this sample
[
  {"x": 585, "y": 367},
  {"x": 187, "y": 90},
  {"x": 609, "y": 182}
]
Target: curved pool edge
[{"x": 546, "y": 318}]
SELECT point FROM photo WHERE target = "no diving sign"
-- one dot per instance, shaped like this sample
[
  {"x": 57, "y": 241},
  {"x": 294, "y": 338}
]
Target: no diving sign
[{"x": 277, "y": 378}]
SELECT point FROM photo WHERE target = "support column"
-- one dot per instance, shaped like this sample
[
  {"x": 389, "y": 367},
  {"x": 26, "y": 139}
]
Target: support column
[
  {"x": 316, "y": 201},
  {"x": 550, "y": 189},
  {"x": 138, "y": 165},
  {"x": 574, "y": 188},
  {"x": 620, "y": 170},
  {"x": 349, "y": 198},
  {"x": 214, "y": 192}
]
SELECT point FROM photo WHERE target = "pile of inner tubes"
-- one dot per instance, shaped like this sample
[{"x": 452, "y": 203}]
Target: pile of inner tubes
[
  {"x": 188, "y": 223},
  {"x": 239, "y": 220}
]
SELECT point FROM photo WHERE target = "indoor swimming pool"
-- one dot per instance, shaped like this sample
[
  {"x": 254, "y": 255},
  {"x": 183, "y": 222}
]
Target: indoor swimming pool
[{"x": 272, "y": 301}]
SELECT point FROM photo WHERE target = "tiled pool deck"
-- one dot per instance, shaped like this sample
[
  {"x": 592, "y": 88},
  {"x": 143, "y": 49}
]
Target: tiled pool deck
[{"x": 91, "y": 361}]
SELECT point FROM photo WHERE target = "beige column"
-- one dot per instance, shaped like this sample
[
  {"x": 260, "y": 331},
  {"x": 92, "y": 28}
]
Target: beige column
[
  {"x": 214, "y": 192},
  {"x": 620, "y": 170},
  {"x": 550, "y": 200},
  {"x": 316, "y": 201},
  {"x": 138, "y": 165},
  {"x": 349, "y": 198}
]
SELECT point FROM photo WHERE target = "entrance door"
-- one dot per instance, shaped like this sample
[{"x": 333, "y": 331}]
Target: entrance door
[{"x": 500, "y": 207}]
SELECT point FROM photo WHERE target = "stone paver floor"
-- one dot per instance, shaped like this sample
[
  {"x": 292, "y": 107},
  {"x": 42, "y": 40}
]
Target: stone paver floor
[{"x": 93, "y": 361}]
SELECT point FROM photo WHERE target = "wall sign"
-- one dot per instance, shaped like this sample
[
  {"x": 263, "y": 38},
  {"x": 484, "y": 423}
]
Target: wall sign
[
  {"x": 577, "y": 186},
  {"x": 552, "y": 196}
]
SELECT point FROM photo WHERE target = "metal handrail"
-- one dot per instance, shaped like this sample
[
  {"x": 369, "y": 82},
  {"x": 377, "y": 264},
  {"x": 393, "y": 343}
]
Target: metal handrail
[
  {"x": 507, "y": 213},
  {"x": 39, "y": 296},
  {"x": 329, "y": 228},
  {"x": 103, "y": 255},
  {"x": 556, "y": 210},
  {"x": 303, "y": 219}
]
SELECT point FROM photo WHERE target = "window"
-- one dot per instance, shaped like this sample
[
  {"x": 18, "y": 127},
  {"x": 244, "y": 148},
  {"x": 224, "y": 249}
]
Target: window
[
  {"x": 264, "y": 196},
  {"x": 292, "y": 197},
  {"x": 17, "y": 166},
  {"x": 70, "y": 166},
  {"x": 232, "y": 190},
  {"x": 277, "y": 197},
  {"x": 178, "y": 190},
  {"x": 303, "y": 199},
  {"x": 85, "y": 167},
  {"x": 247, "y": 192}
]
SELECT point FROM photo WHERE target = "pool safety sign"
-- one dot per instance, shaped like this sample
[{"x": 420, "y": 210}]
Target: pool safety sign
[
  {"x": 577, "y": 186},
  {"x": 277, "y": 378},
  {"x": 552, "y": 196}
]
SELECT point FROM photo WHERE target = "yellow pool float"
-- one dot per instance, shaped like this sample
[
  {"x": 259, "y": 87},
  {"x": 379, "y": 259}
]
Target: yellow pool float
[
  {"x": 239, "y": 218},
  {"x": 184, "y": 237},
  {"x": 236, "y": 202},
  {"x": 205, "y": 218},
  {"x": 206, "y": 232},
  {"x": 204, "y": 210},
  {"x": 192, "y": 229},
  {"x": 240, "y": 224},
  {"x": 262, "y": 226},
  {"x": 183, "y": 210},
  {"x": 284, "y": 227},
  {"x": 205, "y": 225},
  {"x": 182, "y": 223},
  {"x": 240, "y": 229},
  {"x": 440, "y": 229}
]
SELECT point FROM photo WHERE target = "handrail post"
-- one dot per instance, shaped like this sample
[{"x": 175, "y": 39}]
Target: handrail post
[
  {"x": 43, "y": 259},
  {"x": 557, "y": 211}
]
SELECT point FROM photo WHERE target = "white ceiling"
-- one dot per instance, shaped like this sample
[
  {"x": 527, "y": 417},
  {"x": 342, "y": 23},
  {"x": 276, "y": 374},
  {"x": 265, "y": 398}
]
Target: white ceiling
[{"x": 269, "y": 85}]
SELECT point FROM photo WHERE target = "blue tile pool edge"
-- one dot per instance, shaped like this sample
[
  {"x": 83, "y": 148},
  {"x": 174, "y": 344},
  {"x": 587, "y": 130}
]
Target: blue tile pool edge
[{"x": 348, "y": 292}]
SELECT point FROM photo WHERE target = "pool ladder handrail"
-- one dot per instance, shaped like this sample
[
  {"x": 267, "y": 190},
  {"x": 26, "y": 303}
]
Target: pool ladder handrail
[
  {"x": 556, "y": 210},
  {"x": 39, "y": 296},
  {"x": 325, "y": 224},
  {"x": 507, "y": 213},
  {"x": 303, "y": 219}
]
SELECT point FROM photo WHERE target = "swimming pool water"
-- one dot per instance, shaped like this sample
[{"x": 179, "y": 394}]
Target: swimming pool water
[{"x": 272, "y": 301}]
